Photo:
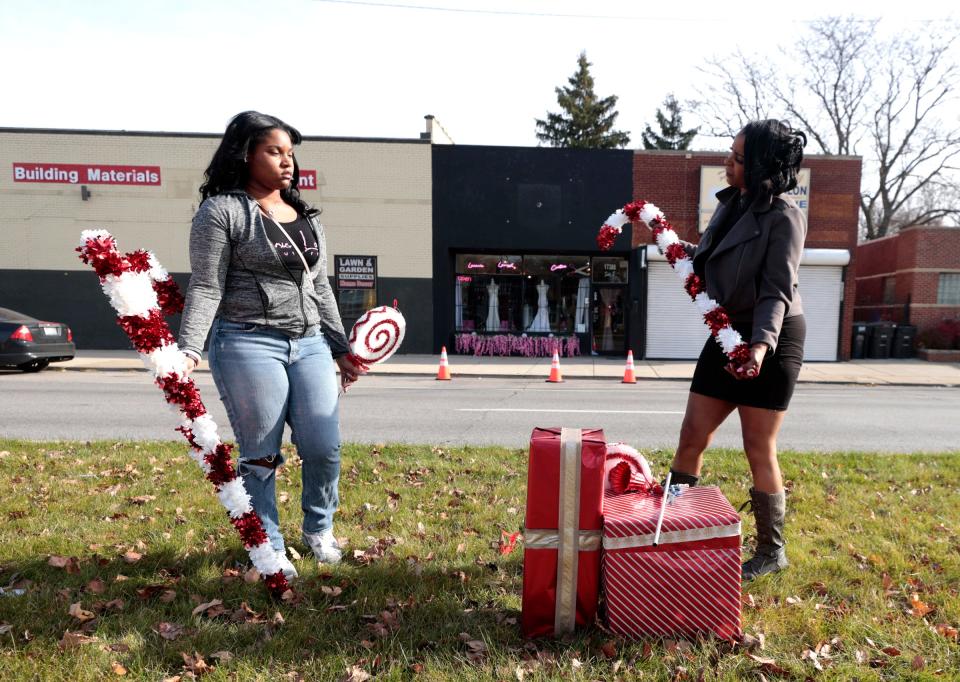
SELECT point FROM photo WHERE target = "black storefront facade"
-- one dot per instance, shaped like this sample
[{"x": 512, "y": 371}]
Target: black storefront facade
[{"x": 516, "y": 268}]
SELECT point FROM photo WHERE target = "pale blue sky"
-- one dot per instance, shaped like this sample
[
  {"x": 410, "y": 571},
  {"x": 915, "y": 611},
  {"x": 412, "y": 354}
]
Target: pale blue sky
[{"x": 334, "y": 68}]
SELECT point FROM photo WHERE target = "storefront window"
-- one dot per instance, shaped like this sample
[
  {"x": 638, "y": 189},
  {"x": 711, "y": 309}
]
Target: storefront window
[
  {"x": 353, "y": 303},
  {"x": 510, "y": 294},
  {"x": 609, "y": 270}
]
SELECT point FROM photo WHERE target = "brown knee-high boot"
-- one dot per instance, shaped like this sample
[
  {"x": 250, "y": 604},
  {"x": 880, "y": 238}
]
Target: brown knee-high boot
[{"x": 769, "y": 511}]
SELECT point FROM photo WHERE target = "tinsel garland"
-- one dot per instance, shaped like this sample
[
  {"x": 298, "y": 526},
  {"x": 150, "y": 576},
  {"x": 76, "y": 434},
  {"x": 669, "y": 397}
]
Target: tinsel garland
[
  {"x": 142, "y": 293},
  {"x": 665, "y": 237}
]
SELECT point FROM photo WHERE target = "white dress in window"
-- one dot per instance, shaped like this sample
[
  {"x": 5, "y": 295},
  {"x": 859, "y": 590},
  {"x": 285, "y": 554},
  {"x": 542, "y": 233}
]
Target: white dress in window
[
  {"x": 541, "y": 323},
  {"x": 493, "y": 307}
]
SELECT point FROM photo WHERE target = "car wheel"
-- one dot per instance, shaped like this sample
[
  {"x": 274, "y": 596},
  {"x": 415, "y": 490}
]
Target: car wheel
[{"x": 34, "y": 365}]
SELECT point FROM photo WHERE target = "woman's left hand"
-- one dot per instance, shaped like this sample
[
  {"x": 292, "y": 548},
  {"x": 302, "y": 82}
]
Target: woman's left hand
[
  {"x": 751, "y": 368},
  {"x": 349, "y": 372}
]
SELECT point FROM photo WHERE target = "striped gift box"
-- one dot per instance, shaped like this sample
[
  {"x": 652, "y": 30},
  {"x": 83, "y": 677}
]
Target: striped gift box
[{"x": 687, "y": 584}]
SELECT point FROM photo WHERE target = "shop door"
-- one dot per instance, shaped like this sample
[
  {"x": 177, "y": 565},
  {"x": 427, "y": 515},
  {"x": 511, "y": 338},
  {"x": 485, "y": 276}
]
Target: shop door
[{"x": 608, "y": 313}]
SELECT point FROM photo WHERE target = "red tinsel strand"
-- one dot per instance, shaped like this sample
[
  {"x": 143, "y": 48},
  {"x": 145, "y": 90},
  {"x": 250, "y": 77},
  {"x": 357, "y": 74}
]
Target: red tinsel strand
[
  {"x": 101, "y": 254},
  {"x": 608, "y": 235},
  {"x": 221, "y": 467},
  {"x": 139, "y": 260},
  {"x": 188, "y": 434},
  {"x": 675, "y": 252},
  {"x": 716, "y": 319},
  {"x": 694, "y": 285},
  {"x": 276, "y": 583},
  {"x": 740, "y": 354},
  {"x": 633, "y": 209},
  {"x": 147, "y": 333},
  {"x": 183, "y": 394},
  {"x": 250, "y": 529},
  {"x": 168, "y": 296}
]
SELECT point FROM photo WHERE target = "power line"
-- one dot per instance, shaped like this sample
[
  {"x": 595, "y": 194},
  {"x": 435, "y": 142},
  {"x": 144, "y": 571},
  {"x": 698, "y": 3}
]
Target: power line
[
  {"x": 466, "y": 10},
  {"x": 684, "y": 19}
]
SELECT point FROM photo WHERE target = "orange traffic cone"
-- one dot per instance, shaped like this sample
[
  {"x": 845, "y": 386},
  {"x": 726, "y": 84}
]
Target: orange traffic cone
[
  {"x": 443, "y": 373},
  {"x": 555, "y": 377},
  {"x": 628, "y": 374}
]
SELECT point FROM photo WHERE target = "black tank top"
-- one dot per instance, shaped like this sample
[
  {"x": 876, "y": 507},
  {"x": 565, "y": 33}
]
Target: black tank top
[{"x": 302, "y": 234}]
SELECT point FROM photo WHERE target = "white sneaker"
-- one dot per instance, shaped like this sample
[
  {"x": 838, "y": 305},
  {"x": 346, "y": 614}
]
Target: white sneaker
[
  {"x": 324, "y": 546},
  {"x": 289, "y": 570}
]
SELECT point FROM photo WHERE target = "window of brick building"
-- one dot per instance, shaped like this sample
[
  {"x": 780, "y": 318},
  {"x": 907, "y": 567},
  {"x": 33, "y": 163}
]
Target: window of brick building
[
  {"x": 889, "y": 289},
  {"x": 948, "y": 289}
]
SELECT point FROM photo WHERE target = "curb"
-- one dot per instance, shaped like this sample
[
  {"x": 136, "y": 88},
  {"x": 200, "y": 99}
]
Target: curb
[{"x": 573, "y": 377}]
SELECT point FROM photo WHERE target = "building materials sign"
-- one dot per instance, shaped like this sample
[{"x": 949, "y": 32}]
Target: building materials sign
[
  {"x": 86, "y": 174},
  {"x": 356, "y": 272},
  {"x": 308, "y": 179},
  {"x": 713, "y": 179}
]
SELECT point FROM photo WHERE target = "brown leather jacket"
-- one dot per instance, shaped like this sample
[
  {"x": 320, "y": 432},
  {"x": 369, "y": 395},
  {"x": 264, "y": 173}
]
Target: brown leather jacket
[{"x": 753, "y": 271}]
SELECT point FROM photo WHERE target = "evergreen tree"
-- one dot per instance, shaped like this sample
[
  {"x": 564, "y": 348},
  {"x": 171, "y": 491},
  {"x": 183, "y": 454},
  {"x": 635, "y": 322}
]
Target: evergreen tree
[
  {"x": 586, "y": 121},
  {"x": 672, "y": 135}
]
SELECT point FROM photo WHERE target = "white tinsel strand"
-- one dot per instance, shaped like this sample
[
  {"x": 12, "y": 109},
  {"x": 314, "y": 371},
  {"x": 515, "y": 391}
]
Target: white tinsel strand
[
  {"x": 88, "y": 235},
  {"x": 157, "y": 272},
  {"x": 704, "y": 303},
  {"x": 666, "y": 238},
  {"x": 131, "y": 293},
  {"x": 684, "y": 268},
  {"x": 198, "y": 458},
  {"x": 617, "y": 220},
  {"x": 649, "y": 212},
  {"x": 166, "y": 360},
  {"x": 205, "y": 432},
  {"x": 234, "y": 497},
  {"x": 729, "y": 338},
  {"x": 265, "y": 558}
]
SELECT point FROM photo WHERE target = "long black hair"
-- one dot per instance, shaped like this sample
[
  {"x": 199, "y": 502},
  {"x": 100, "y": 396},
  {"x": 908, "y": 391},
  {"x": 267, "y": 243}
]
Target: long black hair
[
  {"x": 228, "y": 169},
  {"x": 772, "y": 154}
]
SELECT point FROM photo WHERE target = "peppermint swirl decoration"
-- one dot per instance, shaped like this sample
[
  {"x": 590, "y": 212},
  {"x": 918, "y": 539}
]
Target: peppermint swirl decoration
[{"x": 377, "y": 335}]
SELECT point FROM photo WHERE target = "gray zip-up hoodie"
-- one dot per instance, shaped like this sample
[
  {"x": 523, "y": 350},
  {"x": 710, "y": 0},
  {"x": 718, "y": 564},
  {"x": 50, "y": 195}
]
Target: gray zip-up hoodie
[{"x": 237, "y": 274}]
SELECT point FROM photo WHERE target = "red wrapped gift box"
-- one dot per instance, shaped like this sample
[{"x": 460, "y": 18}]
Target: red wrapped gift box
[
  {"x": 689, "y": 583},
  {"x": 561, "y": 557}
]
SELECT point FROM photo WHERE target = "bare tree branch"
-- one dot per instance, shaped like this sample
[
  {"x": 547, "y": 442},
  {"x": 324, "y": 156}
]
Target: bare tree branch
[{"x": 862, "y": 94}]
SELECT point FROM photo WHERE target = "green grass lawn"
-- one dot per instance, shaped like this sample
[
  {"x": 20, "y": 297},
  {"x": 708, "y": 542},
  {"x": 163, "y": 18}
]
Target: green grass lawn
[{"x": 117, "y": 560}]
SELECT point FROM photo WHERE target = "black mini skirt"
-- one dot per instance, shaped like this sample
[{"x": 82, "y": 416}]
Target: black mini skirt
[{"x": 773, "y": 388}]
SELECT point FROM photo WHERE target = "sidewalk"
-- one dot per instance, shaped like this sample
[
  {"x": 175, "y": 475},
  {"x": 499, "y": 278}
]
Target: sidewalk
[{"x": 868, "y": 372}]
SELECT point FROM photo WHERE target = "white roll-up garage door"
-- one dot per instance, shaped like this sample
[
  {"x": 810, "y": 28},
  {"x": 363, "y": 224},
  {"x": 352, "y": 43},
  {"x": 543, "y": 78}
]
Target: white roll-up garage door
[{"x": 675, "y": 329}]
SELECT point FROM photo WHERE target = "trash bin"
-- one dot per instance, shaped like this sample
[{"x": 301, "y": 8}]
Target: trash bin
[
  {"x": 859, "y": 341},
  {"x": 903, "y": 341},
  {"x": 881, "y": 338}
]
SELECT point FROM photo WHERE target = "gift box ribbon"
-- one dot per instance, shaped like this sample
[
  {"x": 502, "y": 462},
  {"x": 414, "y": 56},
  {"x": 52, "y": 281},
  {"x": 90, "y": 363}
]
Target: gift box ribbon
[
  {"x": 537, "y": 538},
  {"x": 568, "y": 527}
]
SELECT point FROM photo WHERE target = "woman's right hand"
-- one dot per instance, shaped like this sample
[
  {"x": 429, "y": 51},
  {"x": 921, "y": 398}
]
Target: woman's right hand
[{"x": 191, "y": 363}]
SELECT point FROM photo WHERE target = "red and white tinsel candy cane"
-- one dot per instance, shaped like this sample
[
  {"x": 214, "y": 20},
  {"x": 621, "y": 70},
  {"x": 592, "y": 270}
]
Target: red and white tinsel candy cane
[
  {"x": 142, "y": 292},
  {"x": 626, "y": 470},
  {"x": 665, "y": 237},
  {"x": 376, "y": 336}
]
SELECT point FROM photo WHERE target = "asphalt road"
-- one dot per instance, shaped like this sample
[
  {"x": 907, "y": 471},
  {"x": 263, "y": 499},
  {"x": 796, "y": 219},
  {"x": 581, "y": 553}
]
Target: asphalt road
[{"x": 124, "y": 405}]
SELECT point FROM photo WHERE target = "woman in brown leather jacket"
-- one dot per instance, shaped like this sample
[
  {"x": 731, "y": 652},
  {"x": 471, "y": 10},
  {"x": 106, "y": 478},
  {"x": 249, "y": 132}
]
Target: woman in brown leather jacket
[{"x": 749, "y": 257}]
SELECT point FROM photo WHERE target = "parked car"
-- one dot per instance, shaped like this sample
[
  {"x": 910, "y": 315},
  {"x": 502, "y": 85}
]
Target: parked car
[{"x": 30, "y": 345}]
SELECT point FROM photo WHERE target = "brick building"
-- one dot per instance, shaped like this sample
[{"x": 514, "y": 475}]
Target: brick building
[{"x": 912, "y": 277}]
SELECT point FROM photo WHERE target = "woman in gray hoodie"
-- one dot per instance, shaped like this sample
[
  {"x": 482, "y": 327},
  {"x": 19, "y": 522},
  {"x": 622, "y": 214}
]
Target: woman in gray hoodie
[{"x": 259, "y": 279}]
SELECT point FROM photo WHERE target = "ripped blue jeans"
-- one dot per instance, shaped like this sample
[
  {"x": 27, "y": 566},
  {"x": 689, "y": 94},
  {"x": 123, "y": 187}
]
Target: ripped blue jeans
[{"x": 267, "y": 379}]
